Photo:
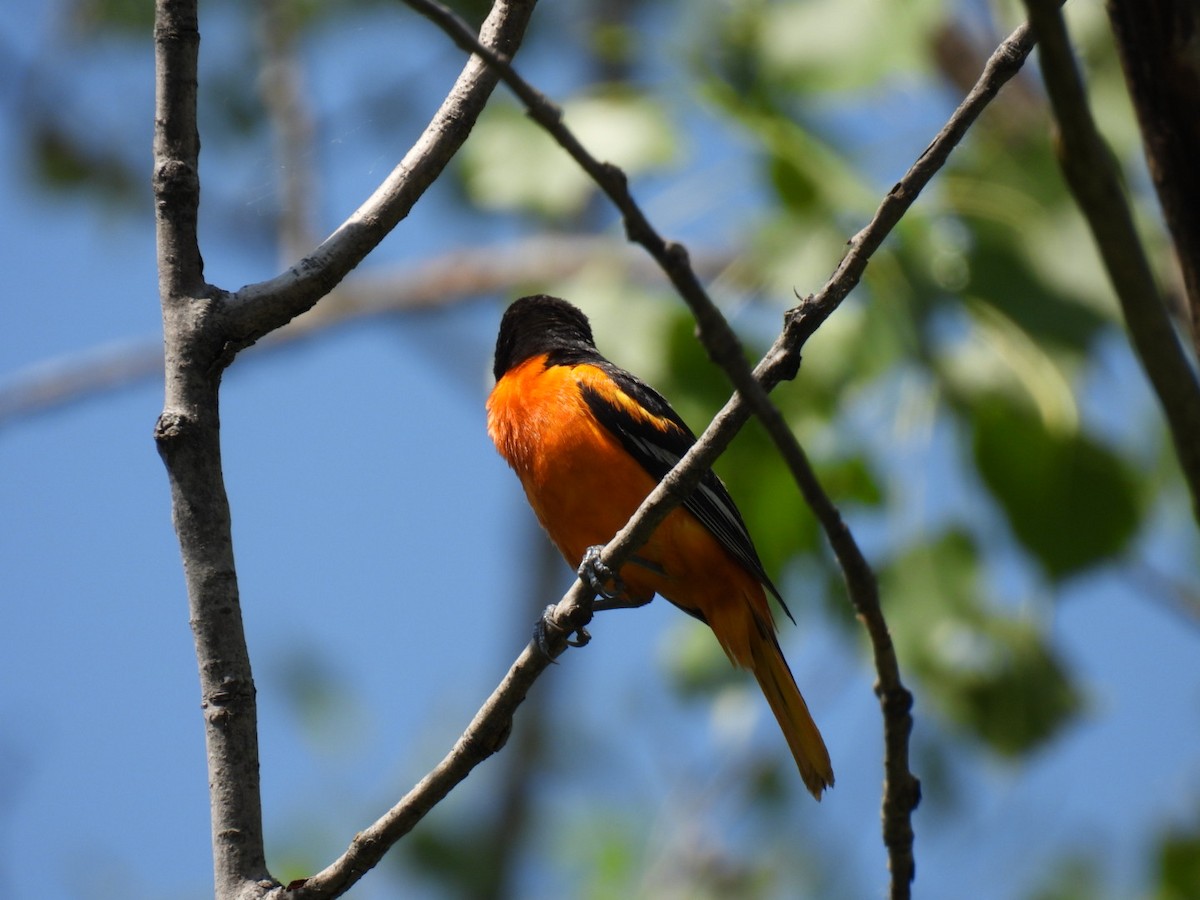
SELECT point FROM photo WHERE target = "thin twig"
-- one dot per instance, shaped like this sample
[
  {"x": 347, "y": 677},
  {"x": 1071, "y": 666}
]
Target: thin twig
[
  {"x": 1092, "y": 174},
  {"x": 1001, "y": 66},
  {"x": 719, "y": 339},
  {"x": 447, "y": 280},
  {"x": 283, "y": 96},
  {"x": 901, "y": 789}
]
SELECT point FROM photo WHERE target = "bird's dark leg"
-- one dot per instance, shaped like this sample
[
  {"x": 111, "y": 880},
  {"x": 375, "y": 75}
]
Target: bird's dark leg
[
  {"x": 597, "y": 576},
  {"x": 546, "y": 624}
]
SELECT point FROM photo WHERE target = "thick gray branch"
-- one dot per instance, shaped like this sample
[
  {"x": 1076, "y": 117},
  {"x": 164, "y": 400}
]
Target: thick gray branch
[
  {"x": 203, "y": 329},
  {"x": 188, "y": 438}
]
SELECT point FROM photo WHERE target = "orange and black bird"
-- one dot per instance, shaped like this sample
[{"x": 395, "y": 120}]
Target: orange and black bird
[{"x": 589, "y": 441}]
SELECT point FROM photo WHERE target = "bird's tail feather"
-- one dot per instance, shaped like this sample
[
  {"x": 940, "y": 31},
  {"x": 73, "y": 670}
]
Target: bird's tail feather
[{"x": 786, "y": 702}]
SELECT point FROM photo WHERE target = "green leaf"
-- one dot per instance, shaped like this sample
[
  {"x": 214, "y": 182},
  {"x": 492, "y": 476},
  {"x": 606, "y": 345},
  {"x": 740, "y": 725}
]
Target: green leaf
[
  {"x": 694, "y": 661},
  {"x": 993, "y": 675},
  {"x": 66, "y": 162},
  {"x": 510, "y": 163},
  {"x": 1071, "y": 502},
  {"x": 1001, "y": 273},
  {"x": 821, "y": 46},
  {"x": 1021, "y": 697},
  {"x": 850, "y": 479},
  {"x": 1179, "y": 864}
]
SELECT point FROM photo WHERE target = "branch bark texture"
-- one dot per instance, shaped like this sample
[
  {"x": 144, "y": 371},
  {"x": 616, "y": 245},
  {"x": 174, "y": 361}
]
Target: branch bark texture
[
  {"x": 187, "y": 434},
  {"x": 1157, "y": 43},
  {"x": 204, "y": 327},
  {"x": 1092, "y": 174}
]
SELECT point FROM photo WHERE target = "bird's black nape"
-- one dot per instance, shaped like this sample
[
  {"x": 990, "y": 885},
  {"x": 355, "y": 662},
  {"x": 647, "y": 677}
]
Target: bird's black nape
[{"x": 540, "y": 324}]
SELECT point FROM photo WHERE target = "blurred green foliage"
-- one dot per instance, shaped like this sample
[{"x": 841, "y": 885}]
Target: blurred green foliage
[{"x": 980, "y": 318}]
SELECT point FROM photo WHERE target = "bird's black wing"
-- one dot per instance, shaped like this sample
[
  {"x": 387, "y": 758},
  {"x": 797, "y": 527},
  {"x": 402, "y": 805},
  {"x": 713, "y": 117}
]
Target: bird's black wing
[{"x": 658, "y": 441}]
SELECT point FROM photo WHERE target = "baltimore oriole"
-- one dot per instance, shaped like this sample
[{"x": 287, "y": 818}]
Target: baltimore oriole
[{"x": 589, "y": 441}]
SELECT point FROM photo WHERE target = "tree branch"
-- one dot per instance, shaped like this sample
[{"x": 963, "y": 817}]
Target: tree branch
[
  {"x": 176, "y": 146},
  {"x": 1091, "y": 173},
  {"x": 1001, "y": 66},
  {"x": 490, "y": 727},
  {"x": 188, "y": 439},
  {"x": 1156, "y": 43},
  {"x": 902, "y": 789},
  {"x": 486, "y": 734},
  {"x": 258, "y": 309},
  {"x": 203, "y": 330}
]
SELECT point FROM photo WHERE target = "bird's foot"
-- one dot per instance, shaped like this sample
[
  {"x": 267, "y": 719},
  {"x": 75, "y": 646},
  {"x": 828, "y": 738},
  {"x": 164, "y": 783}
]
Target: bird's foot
[
  {"x": 546, "y": 625},
  {"x": 597, "y": 576}
]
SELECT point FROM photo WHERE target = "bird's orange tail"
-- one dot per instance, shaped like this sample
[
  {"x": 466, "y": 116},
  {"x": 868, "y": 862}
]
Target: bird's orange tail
[{"x": 786, "y": 701}]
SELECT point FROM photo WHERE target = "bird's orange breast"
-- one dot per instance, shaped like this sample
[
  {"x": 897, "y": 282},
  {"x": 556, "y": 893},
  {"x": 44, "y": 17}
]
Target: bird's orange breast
[{"x": 583, "y": 487}]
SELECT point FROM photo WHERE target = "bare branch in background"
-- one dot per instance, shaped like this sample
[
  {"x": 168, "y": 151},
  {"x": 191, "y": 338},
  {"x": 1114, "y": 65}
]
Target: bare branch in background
[
  {"x": 447, "y": 280},
  {"x": 282, "y": 90},
  {"x": 257, "y": 309}
]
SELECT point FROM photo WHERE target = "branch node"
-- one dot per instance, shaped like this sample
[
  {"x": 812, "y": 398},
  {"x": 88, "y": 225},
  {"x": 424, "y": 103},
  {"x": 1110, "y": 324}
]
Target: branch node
[
  {"x": 896, "y": 701},
  {"x": 170, "y": 429}
]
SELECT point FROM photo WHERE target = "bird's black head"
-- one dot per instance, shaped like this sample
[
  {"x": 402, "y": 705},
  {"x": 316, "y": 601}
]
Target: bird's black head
[{"x": 541, "y": 324}]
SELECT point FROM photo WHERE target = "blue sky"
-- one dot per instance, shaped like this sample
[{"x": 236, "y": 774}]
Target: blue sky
[{"x": 349, "y": 459}]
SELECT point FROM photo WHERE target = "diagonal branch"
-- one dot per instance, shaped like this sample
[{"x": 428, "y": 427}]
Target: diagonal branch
[
  {"x": 485, "y": 735},
  {"x": 718, "y": 338},
  {"x": 1001, "y": 66},
  {"x": 258, "y": 309},
  {"x": 902, "y": 789},
  {"x": 1156, "y": 42},
  {"x": 1092, "y": 174}
]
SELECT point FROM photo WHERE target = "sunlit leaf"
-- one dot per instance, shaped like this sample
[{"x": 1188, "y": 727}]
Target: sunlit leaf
[
  {"x": 510, "y": 163},
  {"x": 1070, "y": 501},
  {"x": 995, "y": 676}
]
